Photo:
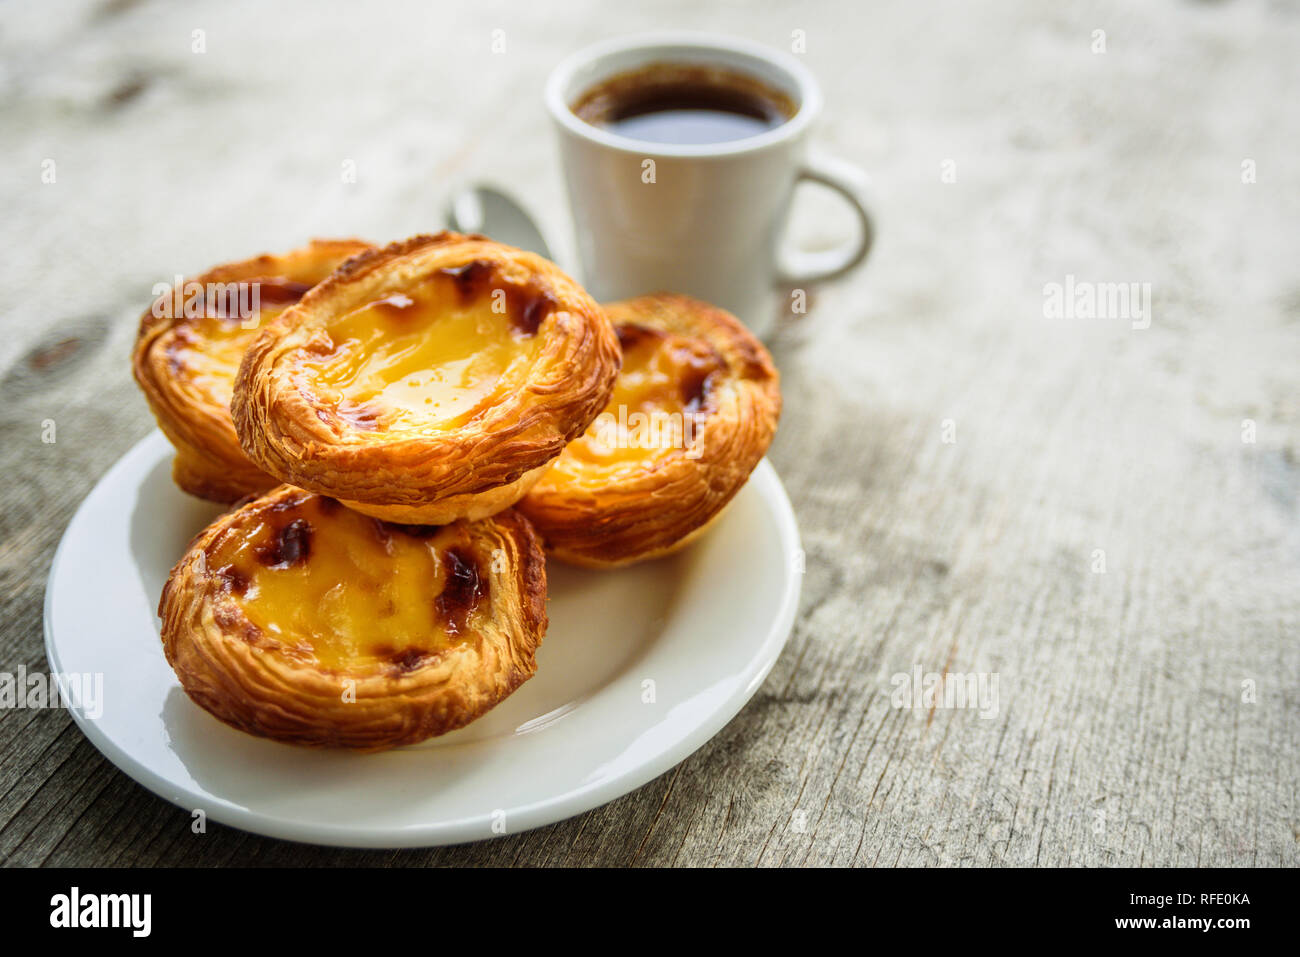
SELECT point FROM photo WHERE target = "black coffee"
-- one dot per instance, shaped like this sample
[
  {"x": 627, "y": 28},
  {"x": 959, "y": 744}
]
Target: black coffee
[{"x": 684, "y": 104}]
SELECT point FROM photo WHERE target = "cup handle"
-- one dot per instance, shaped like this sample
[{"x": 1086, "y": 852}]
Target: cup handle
[{"x": 797, "y": 267}]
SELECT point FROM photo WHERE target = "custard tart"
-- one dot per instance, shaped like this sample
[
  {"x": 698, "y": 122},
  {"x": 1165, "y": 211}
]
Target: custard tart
[
  {"x": 188, "y": 349},
  {"x": 430, "y": 381},
  {"x": 693, "y": 412},
  {"x": 297, "y": 619}
]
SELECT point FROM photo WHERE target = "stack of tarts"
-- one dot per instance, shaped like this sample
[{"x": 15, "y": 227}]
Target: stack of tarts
[{"x": 405, "y": 432}]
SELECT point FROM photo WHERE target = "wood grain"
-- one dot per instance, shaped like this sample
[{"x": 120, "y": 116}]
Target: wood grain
[{"x": 1121, "y": 736}]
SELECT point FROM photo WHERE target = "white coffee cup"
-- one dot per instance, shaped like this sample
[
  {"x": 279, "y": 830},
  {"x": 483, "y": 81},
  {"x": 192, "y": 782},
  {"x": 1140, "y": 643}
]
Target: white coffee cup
[{"x": 701, "y": 219}]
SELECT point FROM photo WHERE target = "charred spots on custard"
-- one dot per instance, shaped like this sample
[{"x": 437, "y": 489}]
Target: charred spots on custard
[
  {"x": 526, "y": 306},
  {"x": 281, "y": 291},
  {"x": 697, "y": 388},
  {"x": 400, "y": 661},
  {"x": 408, "y": 659},
  {"x": 384, "y": 531},
  {"x": 233, "y": 579},
  {"x": 462, "y": 590},
  {"x": 418, "y": 531},
  {"x": 530, "y": 309},
  {"x": 630, "y": 335},
  {"x": 471, "y": 279},
  {"x": 290, "y": 501},
  {"x": 699, "y": 379},
  {"x": 289, "y": 545},
  {"x": 276, "y": 291}
]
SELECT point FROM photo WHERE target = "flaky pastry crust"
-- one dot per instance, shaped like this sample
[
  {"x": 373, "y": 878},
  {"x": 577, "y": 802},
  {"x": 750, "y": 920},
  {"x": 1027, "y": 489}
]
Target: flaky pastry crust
[
  {"x": 297, "y": 419},
  {"x": 264, "y": 632},
  {"x": 599, "y": 513},
  {"x": 187, "y": 373}
]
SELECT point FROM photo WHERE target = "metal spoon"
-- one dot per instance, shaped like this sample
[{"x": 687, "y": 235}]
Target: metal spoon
[{"x": 486, "y": 210}]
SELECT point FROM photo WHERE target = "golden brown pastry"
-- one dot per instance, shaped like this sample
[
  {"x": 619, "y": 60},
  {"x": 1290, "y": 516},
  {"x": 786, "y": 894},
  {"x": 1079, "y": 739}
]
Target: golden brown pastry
[
  {"x": 427, "y": 382},
  {"x": 297, "y": 619},
  {"x": 188, "y": 350},
  {"x": 692, "y": 414}
]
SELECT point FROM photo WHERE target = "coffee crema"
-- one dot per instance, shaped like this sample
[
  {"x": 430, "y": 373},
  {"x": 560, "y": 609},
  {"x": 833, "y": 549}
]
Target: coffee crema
[{"x": 684, "y": 104}]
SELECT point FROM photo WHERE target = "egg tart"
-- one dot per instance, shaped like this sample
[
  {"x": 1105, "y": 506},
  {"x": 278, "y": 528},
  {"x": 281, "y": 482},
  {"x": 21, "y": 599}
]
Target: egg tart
[
  {"x": 427, "y": 382},
  {"x": 297, "y": 619},
  {"x": 693, "y": 412},
  {"x": 188, "y": 349}
]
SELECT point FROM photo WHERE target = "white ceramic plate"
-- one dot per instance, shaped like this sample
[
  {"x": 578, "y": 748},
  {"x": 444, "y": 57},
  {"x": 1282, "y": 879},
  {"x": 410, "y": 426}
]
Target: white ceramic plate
[{"x": 639, "y": 668}]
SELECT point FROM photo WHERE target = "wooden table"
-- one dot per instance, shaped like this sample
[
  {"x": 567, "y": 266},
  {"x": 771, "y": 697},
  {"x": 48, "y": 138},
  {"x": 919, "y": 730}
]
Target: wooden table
[{"x": 1101, "y": 514}]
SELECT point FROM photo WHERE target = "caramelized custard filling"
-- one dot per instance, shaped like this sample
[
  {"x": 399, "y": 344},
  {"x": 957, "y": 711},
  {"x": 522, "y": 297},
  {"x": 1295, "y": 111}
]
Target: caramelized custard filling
[
  {"x": 348, "y": 592},
  {"x": 205, "y": 350},
  {"x": 661, "y": 398},
  {"x": 435, "y": 355}
]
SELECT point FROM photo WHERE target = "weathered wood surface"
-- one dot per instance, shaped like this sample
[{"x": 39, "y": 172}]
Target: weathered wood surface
[{"x": 1121, "y": 735}]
